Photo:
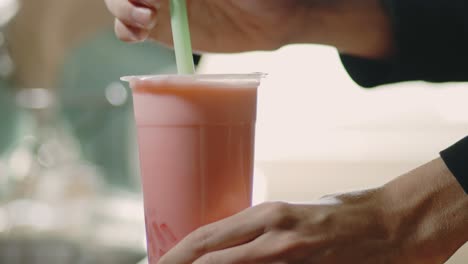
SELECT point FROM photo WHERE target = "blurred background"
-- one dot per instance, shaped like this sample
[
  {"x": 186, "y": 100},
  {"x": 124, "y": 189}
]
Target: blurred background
[{"x": 69, "y": 178}]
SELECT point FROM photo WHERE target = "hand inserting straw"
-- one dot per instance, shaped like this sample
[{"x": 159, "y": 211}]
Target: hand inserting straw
[{"x": 181, "y": 35}]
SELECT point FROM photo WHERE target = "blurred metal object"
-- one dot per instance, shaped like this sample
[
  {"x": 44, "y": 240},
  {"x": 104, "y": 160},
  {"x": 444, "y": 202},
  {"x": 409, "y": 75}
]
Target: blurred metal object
[
  {"x": 7, "y": 66},
  {"x": 8, "y": 10},
  {"x": 116, "y": 94},
  {"x": 54, "y": 205},
  {"x": 50, "y": 188},
  {"x": 46, "y": 163},
  {"x": 35, "y": 99}
]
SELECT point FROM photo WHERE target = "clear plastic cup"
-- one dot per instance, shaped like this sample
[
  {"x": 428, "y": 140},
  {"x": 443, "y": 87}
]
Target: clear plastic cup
[{"x": 196, "y": 144}]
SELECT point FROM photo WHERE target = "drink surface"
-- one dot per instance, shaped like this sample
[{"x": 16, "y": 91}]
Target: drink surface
[{"x": 196, "y": 143}]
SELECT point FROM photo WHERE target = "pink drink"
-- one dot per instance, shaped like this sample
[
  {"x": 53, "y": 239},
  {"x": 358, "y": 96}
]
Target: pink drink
[{"x": 196, "y": 142}]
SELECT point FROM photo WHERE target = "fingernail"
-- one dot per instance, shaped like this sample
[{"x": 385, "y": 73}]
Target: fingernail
[
  {"x": 142, "y": 16},
  {"x": 135, "y": 35},
  {"x": 135, "y": 38},
  {"x": 142, "y": 36}
]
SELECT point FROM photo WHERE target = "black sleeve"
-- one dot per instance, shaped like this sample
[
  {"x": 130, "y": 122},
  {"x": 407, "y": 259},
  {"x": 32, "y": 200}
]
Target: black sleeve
[
  {"x": 456, "y": 159},
  {"x": 431, "y": 39}
]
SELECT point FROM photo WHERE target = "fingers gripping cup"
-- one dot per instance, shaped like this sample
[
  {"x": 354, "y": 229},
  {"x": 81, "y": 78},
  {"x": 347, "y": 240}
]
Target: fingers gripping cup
[{"x": 196, "y": 143}]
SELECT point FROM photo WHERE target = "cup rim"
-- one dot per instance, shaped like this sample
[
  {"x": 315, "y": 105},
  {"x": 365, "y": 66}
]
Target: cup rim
[{"x": 256, "y": 76}]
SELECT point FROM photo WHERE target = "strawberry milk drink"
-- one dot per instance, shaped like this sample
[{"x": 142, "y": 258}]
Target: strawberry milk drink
[{"x": 196, "y": 144}]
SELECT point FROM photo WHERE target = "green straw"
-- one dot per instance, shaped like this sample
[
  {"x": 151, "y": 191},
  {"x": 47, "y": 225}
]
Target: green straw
[{"x": 181, "y": 35}]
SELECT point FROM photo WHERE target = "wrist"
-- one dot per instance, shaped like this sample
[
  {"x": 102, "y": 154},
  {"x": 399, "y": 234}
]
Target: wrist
[
  {"x": 427, "y": 212},
  {"x": 356, "y": 27}
]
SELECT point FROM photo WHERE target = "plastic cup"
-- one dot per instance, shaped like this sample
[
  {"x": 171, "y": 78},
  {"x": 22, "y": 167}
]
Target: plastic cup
[{"x": 196, "y": 144}]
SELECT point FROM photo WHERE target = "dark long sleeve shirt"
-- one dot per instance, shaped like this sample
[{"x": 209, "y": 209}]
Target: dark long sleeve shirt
[{"x": 431, "y": 39}]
